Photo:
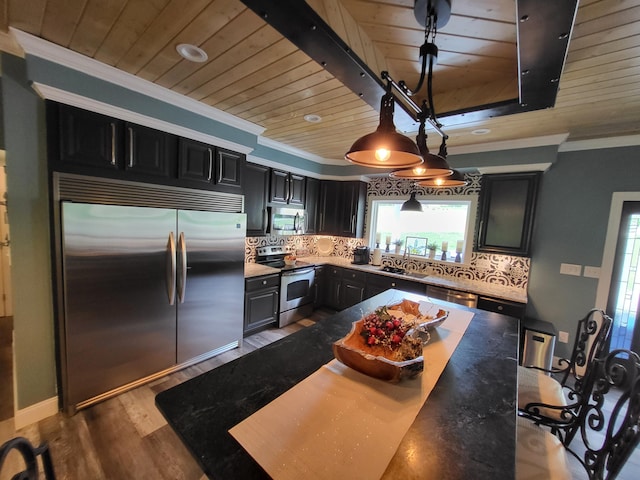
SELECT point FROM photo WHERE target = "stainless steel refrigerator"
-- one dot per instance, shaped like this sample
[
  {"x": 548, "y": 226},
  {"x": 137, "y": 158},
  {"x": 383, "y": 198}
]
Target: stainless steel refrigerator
[{"x": 145, "y": 290}]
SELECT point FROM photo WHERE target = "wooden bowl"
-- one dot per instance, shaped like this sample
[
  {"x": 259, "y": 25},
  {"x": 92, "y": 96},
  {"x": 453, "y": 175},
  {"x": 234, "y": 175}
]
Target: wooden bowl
[{"x": 351, "y": 351}]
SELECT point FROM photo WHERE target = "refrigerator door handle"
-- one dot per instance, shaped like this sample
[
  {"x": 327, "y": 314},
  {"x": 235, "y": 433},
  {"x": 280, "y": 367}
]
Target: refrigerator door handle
[
  {"x": 171, "y": 268},
  {"x": 182, "y": 267}
]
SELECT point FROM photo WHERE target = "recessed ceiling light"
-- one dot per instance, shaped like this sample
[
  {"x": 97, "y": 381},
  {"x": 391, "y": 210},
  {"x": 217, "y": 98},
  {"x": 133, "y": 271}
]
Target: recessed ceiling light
[
  {"x": 480, "y": 131},
  {"x": 312, "y": 118},
  {"x": 192, "y": 53}
]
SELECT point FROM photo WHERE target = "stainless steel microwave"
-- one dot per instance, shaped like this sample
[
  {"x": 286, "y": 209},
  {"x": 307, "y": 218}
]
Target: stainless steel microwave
[{"x": 287, "y": 221}]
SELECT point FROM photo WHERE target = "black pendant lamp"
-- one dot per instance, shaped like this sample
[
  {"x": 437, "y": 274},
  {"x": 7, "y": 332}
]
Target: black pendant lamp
[
  {"x": 433, "y": 166},
  {"x": 385, "y": 148},
  {"x": 456, "y": 179},
  {"x": 411, "y": 205}
]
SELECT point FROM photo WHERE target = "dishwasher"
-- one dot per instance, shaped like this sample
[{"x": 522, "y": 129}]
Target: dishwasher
[{"x": 453, "y": 296}]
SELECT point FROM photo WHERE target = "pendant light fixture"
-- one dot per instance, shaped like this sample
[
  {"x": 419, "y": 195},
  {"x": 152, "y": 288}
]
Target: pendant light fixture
[
  {"x": 456, "y": 179},
  {"x": 433, "y": 166},
  {"x": 385, "y": 148},
  {"x": 411, "y": 205}
]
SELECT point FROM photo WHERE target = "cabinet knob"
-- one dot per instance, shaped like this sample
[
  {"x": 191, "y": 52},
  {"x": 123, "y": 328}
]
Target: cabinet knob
[
  {"x": 500, "y": 307},
  {"x": 393, "y": 284},
  {"x": 264, "y": 282}
]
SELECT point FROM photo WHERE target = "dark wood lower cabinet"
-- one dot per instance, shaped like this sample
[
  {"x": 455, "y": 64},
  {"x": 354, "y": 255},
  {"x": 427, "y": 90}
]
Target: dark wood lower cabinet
[{"x": 261, "y": 303}]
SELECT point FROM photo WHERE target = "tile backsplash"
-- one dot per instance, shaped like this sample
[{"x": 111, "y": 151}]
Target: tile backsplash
[{"x": 502, "y": 270}]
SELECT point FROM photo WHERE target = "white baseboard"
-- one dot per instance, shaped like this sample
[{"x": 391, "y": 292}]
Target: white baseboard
[{"x": 35, "y": 413}]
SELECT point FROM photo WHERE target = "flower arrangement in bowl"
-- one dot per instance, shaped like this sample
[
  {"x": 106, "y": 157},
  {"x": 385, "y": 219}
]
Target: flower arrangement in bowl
[{"x": 290, "y": 260}]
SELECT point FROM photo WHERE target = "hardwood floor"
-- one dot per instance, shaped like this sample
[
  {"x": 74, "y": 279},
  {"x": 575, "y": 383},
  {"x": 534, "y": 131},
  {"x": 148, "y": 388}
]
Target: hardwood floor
[{"x": 126, "y": 436}]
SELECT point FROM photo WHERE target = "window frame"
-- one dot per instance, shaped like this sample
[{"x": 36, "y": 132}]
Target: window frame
[{"x": 471, "y": 200}]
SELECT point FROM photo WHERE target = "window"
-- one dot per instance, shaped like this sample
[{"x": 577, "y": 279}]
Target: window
[{"x": 444, "y": 222}]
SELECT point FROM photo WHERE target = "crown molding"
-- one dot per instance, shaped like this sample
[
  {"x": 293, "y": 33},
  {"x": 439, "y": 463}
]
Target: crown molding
[
  {"x": 596, "y": 143},
  {"x": 52, "y": 93},
  {"x": 282, "y": 147},
  {"x": 38, "y": 47},
  {"x": 525, "y": 167},
  {"x": 299, "y": 171},
  {"x": 543, "y": 141}
]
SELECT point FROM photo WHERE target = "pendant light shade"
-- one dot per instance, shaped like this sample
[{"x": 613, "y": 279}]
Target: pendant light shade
[
  {"x": 385, "y": 148},
  {"x": 411, "y": 205},
  {"x": 433, "y": 166},
  {"x": 456, "y": 179}
]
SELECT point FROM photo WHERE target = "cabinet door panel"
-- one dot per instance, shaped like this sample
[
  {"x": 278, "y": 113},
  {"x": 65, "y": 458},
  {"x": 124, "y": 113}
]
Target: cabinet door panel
[
  {"x": 256, "y": 195},
  {"x": 507, "y": 213},
  {"x": 88, "y": 138},
  {"x": 195, "y": 161},
  {"x": 229, "y": 167},
  {"x": 148, "y": 151},
  {"x": 312, "y": 193},
  {"x": 296, "y": 189},
  {"x": 279, "y": 186}
]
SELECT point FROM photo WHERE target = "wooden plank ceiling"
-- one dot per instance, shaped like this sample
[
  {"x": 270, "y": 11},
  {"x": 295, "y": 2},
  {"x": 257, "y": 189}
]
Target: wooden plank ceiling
[{"x": 257, "y": 74}]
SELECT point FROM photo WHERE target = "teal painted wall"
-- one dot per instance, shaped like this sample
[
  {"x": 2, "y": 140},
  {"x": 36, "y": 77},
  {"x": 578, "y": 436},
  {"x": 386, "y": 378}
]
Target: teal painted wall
[
  {"x": 28, "y": 206},
  {"x": 571, "y": 223}
]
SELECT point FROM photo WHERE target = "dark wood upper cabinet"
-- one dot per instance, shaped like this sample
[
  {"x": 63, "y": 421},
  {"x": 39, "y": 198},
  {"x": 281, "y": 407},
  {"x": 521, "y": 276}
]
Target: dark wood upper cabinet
[
  {"x": 256, "y": 180},
  {"x": 341, "y": 208},
  {"x": 87, "y": 138},
  {"x": 229, "y": 167},
  {"x": 507, "y": 210},
  {"x": 195, "y": 161},
  {"x": 312, "y": 195},
  {"x": 148, "y": 151},
  {"x": 202, "y": 163},
  {"x": 287, "y": 188}
]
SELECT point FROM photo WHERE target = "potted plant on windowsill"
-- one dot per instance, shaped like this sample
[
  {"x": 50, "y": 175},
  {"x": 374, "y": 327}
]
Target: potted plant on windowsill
[
  {"x": 398, "y": 243},
  {"x": 432, "y": 249}
]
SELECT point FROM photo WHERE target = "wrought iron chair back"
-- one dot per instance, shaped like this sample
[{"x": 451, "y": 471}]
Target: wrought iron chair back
[
  {"x": 609, "y": 438},
  {"x": 29, "y": 454},
  {"x": 572, "y": 375}
]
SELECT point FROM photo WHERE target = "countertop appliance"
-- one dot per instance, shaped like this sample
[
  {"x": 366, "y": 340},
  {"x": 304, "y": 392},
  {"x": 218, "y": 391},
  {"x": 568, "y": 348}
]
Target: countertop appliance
[
  {"x": 453, "y": 296},
  {"x": 287, "y": 221},
  {"x": 361, "y": 255},
  {"x": 297, "y": 283},
  {"x": 146, "y": 289}
]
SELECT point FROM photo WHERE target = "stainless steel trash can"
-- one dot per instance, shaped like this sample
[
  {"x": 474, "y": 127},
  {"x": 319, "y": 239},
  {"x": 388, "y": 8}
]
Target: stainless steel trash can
[{"x": 539, "y": 343}]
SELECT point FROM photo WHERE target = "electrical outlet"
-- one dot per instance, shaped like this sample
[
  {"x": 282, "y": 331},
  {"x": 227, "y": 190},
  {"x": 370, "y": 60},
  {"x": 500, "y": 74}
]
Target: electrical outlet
[
  {"x": 563, "y": 337},
  {"x": 571, "y": 269},
  {"x": 591, "y": 272}
]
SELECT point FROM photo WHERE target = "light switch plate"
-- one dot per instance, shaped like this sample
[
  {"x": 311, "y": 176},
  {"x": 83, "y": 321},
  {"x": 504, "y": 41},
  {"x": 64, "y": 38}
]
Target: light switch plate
[
  {"x": 591, "y": 272},
  {"x": 563, "y": 337},
  {"x": 570, "y": 269}
]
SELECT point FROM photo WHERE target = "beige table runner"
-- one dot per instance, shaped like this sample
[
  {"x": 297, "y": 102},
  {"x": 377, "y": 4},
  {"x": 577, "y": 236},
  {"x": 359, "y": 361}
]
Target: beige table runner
[{"x": 338, "y": 423}]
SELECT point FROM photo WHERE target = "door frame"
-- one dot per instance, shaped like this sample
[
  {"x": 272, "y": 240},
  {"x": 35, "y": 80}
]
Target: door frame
[{"x": 608, "y": 254}]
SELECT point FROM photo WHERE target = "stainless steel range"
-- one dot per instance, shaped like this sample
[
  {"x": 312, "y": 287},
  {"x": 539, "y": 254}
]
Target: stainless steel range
[{"x": 296, "y": 283}]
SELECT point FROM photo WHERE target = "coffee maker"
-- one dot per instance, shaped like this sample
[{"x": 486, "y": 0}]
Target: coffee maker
[{"x": 361, "y": 255}]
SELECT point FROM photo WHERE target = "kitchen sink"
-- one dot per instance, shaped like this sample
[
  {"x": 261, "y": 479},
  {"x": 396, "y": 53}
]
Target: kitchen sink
[{"x": 415, "y": 275}]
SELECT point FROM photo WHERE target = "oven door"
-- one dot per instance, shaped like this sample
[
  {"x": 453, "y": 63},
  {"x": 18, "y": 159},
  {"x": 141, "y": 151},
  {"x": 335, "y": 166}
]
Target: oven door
[{"x": 296, "y": 288}]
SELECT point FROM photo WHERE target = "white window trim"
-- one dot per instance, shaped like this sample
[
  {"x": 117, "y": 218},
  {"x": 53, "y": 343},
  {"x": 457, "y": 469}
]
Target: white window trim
[{"x": 470, "y": 227}]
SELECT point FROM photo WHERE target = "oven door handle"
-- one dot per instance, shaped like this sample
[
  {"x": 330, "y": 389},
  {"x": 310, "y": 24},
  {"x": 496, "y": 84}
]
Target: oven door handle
[{"x": 298, "y": 272}]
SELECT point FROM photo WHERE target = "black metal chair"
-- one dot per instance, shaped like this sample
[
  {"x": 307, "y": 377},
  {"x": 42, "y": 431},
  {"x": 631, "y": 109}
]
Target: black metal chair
[
  {"x": 555, "y": 397},
  {"x": 30, "y": 456},
  {"x": 609, "y": 436}
]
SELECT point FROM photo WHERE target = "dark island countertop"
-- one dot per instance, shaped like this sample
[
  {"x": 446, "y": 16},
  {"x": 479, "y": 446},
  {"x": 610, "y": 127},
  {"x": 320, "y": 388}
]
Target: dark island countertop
[{"x": 466, "y": 428}]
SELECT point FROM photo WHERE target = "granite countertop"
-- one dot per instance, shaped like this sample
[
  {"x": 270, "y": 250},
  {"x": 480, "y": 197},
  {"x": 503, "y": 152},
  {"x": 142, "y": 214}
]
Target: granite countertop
[
  {"x": 480, "y": 288},
  {"x": 465, "y": 429}
]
